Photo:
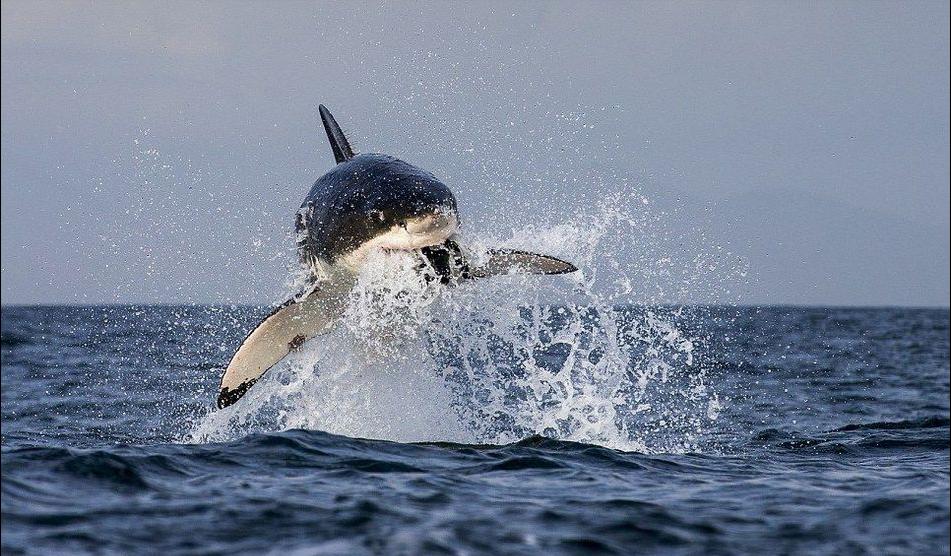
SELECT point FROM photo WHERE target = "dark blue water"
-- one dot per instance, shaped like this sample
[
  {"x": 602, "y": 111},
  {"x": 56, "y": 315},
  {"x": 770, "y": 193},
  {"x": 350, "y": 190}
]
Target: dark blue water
[{"x": 833, "y": 437}]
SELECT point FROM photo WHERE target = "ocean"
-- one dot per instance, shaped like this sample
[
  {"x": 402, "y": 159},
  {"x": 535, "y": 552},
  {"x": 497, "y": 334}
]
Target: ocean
[{"x": 529, "y": 429}]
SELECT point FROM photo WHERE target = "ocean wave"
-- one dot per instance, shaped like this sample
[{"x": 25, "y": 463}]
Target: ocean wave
[{"x": 920, "y": 423}]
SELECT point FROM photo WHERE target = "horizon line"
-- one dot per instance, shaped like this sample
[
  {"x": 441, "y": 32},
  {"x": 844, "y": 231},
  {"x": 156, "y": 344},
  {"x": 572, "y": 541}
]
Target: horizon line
[{"x": 665, "y": 304}]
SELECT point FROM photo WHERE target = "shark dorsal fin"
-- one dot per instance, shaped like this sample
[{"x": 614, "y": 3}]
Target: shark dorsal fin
[{"x": 338, "y": 141}]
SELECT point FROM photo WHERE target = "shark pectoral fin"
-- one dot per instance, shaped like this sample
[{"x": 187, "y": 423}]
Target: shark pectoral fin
[
  {"x": 452, "y": 264},
  {"x": 506, "y": 261},
  {"x": 285, "y": 329}
]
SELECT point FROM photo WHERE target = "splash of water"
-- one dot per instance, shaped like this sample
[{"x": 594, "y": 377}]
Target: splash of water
[{"x": 496, "y": 360}]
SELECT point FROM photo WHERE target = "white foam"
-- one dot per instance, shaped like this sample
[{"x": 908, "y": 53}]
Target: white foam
[{"x": 496, "y": 360}]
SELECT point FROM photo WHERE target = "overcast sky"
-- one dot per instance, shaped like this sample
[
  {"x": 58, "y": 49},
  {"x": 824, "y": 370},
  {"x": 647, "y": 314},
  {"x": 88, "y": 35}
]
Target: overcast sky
[{"x": 156, "y": 152}]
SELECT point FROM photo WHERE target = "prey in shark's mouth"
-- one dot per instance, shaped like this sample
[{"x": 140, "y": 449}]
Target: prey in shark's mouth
[{"x": 366, "y": 202}]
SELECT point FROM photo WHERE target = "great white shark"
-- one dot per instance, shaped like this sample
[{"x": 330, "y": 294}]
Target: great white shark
[{"x": 366, "y": 202}]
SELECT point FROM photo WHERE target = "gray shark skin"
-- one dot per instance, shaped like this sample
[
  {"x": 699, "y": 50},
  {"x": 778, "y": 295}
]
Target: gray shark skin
[
  {"x": 365, "y": 197},
  {"x": 366, "y": 202}
]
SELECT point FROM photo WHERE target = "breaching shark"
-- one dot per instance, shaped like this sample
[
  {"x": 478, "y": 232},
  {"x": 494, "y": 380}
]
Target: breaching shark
[{"x": 366, "y": 202}]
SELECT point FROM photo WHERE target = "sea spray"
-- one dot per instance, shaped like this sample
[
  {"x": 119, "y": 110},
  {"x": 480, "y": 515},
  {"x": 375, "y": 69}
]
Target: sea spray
[{"x": 593, "y": 357}]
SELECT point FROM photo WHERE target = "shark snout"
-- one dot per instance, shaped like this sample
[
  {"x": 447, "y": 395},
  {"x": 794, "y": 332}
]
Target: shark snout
[
  {"x": 442, "y": 223},
  {"x": 427, "y": 230}
]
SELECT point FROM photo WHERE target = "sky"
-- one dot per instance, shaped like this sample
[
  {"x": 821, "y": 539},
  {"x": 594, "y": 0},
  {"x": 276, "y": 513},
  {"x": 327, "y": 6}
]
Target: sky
[{"x": 156, "y": 152}]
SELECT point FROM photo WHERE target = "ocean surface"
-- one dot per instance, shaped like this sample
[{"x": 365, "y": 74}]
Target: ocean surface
[{"x": 546, "y": 430}]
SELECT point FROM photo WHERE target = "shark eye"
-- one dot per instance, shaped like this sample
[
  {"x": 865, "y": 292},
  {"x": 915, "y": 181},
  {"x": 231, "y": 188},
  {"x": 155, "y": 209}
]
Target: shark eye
[{"x": 403, "y": 224}]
